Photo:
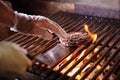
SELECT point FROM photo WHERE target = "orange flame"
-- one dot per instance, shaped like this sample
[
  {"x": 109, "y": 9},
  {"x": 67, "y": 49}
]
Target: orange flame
[
  {"x": 79, "y": 65},
  {"x": 98, "y": 67},
  {"x": 92, "y": 36}
]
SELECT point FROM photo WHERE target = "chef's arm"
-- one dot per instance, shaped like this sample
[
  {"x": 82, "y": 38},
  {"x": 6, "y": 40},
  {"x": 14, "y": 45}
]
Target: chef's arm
[
  {"x": 6, "y": 14},
  {"x": 35, "y": 25}
]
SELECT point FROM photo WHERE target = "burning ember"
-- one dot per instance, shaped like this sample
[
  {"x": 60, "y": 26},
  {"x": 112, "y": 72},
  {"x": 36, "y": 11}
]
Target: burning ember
[{"x": 78, "y": 66}]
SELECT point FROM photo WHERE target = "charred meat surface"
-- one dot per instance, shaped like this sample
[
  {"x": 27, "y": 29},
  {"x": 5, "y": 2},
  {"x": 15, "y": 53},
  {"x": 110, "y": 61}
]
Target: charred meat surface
[{"x": 75, "y": 39}]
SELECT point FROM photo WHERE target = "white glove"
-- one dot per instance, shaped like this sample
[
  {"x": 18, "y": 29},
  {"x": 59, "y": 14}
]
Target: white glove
[
  {"x": 13, "y": 59},
  {"x": 37, "y": 26}
]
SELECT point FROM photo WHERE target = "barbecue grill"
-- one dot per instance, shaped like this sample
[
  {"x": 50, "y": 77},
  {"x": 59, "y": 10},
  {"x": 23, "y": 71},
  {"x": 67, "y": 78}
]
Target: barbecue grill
[{"x": 90, "y": 61}]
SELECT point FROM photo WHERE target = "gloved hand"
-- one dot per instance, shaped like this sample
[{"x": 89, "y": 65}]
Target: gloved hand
[
  {"x": 13, "y": 59},
  {"x": 37, "y": 26}
]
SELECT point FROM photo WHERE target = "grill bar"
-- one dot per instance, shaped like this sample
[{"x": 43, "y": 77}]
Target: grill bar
[
  {"x": 49, "y": 71},
  {"x": 90, "y": 50},
  {"x": 56, "y": 72},
  {"x": 107, "y": 61},
  {"x": 115, "y": 67},
  {"x": 107, "y": 53},
  {"x": 108, "y": 42},
  {"x": 99, "y": 52},
  {"x": 118, "y": 68}
]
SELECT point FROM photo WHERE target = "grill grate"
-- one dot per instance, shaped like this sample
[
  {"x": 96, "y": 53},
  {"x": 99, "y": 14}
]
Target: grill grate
[{"x": 106, "y": 57}]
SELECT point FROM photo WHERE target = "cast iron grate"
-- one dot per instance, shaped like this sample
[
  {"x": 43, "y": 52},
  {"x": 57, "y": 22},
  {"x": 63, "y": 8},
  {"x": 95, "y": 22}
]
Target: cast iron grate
[{"x": 104, "y": 64}]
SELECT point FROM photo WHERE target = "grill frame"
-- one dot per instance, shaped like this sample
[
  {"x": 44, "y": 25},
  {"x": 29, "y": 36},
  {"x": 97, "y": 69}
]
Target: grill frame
[{"x": 70, "y": 21}]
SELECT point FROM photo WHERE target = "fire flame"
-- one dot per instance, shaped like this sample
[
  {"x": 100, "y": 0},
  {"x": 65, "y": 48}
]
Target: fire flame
[
  {"x": 92, "y": 36},
  {"x": 78, "y": 66}
]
